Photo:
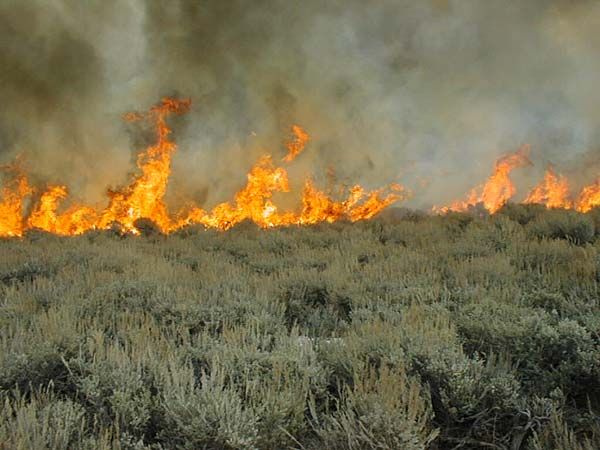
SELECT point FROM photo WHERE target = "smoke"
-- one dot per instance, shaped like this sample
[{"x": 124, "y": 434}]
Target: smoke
[{"x": 424, "y": 93}]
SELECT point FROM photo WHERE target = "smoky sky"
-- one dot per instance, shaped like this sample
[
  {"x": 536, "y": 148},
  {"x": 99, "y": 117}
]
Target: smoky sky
[{"x": 425, "y": 93}]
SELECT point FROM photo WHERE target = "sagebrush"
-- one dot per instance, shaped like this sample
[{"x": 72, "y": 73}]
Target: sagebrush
[{"x": 405, "y": 332}]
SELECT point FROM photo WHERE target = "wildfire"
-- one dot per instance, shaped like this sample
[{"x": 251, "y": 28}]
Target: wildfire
[
  {"x": 498, "y": 189},
  {"x": 253, "y": 202},
  {"x": 143, "y": 197},
  {"x": 589, "y": 197},
  {"x": 553, "y": 191},
  {"x": 22, "y": 207},
  {"x": 75, "y": 220},
  {"x": 296, "y": 145},
  {"x": 12, "y": 197}
]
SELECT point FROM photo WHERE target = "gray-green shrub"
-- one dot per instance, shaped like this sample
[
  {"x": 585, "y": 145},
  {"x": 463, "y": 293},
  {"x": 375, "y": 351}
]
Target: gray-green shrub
[{"x": 410, "y": 331}]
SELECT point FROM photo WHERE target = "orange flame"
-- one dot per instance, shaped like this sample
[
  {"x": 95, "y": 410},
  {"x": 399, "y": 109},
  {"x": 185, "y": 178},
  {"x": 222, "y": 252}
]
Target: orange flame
[
  {"x": 12, "y": 198},
  {"x": 76, "y": 220},
  {"x": 498, "y": 189},
  {"x": 553, "y": 191},
  {"x": 143, "y": 197},
  {"x": 296, "y": 145},
  {"x": 253, "y": 202},
  {"x": 589, "y": 197},
  {"x": 359, "y": 205}
]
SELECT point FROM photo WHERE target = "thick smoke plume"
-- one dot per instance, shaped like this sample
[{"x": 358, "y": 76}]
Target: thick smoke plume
[{"x": 428, "y": 93}]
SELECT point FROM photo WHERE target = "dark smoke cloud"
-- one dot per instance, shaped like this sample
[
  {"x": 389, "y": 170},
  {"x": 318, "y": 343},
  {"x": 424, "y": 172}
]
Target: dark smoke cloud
[{"x": 428, "y": 93}]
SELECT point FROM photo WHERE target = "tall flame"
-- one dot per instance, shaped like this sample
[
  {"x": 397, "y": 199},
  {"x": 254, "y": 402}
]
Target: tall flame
[
  {"x": 498, "y": 189},
  {"x": 143, "y": 197}
]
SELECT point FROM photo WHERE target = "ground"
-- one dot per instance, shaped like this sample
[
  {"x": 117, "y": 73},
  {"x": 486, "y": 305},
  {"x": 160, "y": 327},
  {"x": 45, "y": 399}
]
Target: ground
[{"x": 408, "y": 331}]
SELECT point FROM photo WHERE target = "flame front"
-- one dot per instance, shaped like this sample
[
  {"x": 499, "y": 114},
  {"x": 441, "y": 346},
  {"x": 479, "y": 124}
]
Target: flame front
[
  {"x": 76, "y": 220},
  {"x": 143, "y": 197},
  {"x": 498, "y": 189},
  {"x": 13, "y": 195},
  {"x": 589, "y": 197},
  {"x": 253, "y": 202},
  {"x": 553, "y": 191}
]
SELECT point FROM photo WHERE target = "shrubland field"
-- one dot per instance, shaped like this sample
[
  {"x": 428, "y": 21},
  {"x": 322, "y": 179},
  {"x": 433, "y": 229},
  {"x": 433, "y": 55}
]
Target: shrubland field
[{"x": 405, "y": 332}]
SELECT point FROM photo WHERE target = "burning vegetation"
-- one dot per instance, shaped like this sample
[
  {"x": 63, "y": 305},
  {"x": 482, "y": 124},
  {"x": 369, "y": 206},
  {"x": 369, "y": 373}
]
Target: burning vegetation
[
  {"x": 498, "y": 189},
  {"x": 143, "y": 197},
  {"x": 552, "y": 192},
  {"x": 23, "y": 207}
]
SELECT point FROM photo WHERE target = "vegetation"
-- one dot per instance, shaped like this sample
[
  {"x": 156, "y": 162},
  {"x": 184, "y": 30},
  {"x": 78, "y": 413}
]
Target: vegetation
[{"x": 406, "y": 332}]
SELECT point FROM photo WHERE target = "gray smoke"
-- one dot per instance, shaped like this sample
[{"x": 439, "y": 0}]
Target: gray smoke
[{"x": 425, "y": 93}]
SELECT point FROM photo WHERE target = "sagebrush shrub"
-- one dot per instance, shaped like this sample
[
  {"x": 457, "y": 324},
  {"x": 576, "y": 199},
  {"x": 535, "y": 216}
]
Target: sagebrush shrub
[
  {"x": 383, "y": 409},
  {"x": 559, "y": 224},
  {"x": 413, "y": 331},
  {"x": 522, "y": 213}
]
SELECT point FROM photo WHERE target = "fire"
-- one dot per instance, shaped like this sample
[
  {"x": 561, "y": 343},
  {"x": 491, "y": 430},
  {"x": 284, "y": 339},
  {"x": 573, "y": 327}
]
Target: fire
[
  {"x": 253, "y": 202},
  {"x": 144, "y": 196},
  {"x": 75, "y": 220},
  {"x": 498, "y": 189},
  {"x": 553, "y": 191},
  {"x": 23, "y": 208},
  {"x": 589, "y": 197},
  {"x": 12, "y": 198},
  {"x": 359, "y": 205},
  {"x": 296, "y": 145}
]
